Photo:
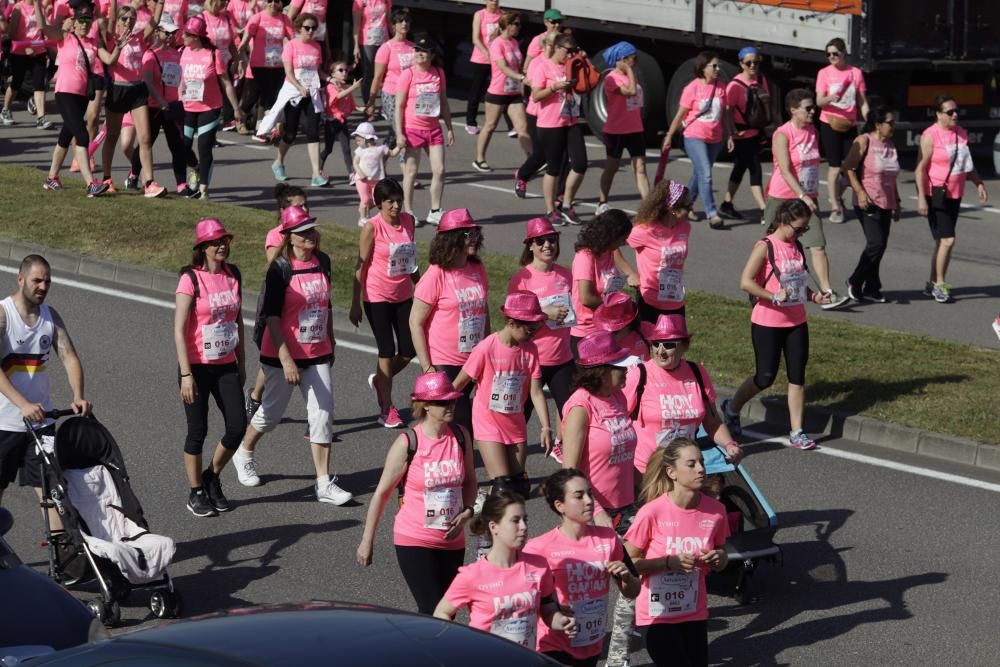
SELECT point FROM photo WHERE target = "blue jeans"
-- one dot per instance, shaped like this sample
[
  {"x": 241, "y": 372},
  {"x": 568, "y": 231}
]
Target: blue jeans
[{"x": 702, "y": 156}]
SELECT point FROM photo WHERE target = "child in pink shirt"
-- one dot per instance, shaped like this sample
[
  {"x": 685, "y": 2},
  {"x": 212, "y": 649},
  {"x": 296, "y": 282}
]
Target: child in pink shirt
[{"x": 339, "y": 103}]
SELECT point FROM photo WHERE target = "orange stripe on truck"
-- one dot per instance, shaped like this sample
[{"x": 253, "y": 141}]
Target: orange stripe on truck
[
  {"x": 826, "y": 6},
  {"x": 923, "y": 96}
]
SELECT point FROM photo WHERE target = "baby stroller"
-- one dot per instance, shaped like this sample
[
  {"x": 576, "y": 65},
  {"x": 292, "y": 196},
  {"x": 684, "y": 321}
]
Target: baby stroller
[{"x": 106, "y": 537}]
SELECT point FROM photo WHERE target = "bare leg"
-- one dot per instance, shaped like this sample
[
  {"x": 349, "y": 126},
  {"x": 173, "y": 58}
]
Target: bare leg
[
  {"x": 942, "y": 257},
  {"x": 520, "y": 122},
  {"x": 251, "y": 438},
  {"x": 436, "y": 154},
  {"x": 796, "y": 405},
  {"x": 410, "y": 168},
  {"x": 140, "y": 117},
  {"x": 821, "y": 267},
  {"x": 258, "y": 386},
  {"x": 834, "y": 188},
  {"x": 312, "y": 149},
  {"x": 483, "y": 140},
  {"x": 641, "y": 180},
  {"x": 611, "y": 166},
  {"x": 321, "y": 458},
  {"x": 495, "y": 458},
  {"x": 192, "y": 466},
  {"x": 573, "y": 183},
  {"x": 114, "y": 125},
  {"x": 221, "y": 458}
]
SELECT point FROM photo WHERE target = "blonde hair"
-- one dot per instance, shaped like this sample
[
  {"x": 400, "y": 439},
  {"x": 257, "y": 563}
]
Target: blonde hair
[{"x": 656, "y": 481}]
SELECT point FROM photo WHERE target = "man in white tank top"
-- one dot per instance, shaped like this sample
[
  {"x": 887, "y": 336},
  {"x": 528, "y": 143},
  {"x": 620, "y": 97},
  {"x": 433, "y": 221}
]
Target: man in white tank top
[{"x": 29, "y": 330}]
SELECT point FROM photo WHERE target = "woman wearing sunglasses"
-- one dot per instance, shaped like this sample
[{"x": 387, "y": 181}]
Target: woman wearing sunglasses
[
  {"x": 945, "y": 164},
  {"x": 776, "y": 276},
  {"x": 264, "y": 38},
  {"x": 484, "y": 29},
  {"x": 747, "y": 139},
  {"x": 840, "y": 93}
]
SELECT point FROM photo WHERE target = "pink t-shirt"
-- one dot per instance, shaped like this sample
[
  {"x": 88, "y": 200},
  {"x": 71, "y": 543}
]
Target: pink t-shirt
[
  {"x": 72, "y": 72},
  {"x": 422, "y": 89},
  {"x": 305, "y": 58},
  {"x": 624, "y": 113},
  {"x": 374, "y": 28},
  {"x": 338, "y": 107},
  {"x": 142, "y": 18},
  {"x": 274, "y": 238},
  {"x": 736, "y": 98},
  {"x": 561, "y": 109},
  {"x": 535, "y": 46},
  {"x": 507, "y": 51},
  {"x": 213, "y": 326},
  {"x": 315, "y": 7},
  {"x": 553, "y": 287},
  {"x": 609, "y": 448},
  {"x": 128, "y": 67},
  {"x": 457, "y": 319},
  {"x": 177, "y": 10},
  {"x": 396, "y": 55},
  {"x": 792, "y": 268},
  {"x": 241, "y": 11},
  {"x": 605, "y": 276},
  {"x": 661, "y": 528},
  {"x": 503, "y": 601},
  {"x": 848, "y": 82},
  {"x": 432, "y": 495},
  {"x": 671, "y": 407},
  {"x": 221, "y": 33},
  {"x": 268, "y": 34},
  {"x": 946, "y": 145},
  {"x": 705, "y": 102},
  {"x": 487, "y": 30},
  {"x": 27, "y": 26},
  {"x": 503, "y": 378},
  {"x": 164, "y": 66},
  {"x": 388, "y": 277},
  {"x": 305, "y": 309},
  {"x": 660, "y": 253},
  {"x": 534, "y": 66},
  {"x": 581, "y": 583},
  {"x": 879, "y": 173},
  {"x": 803, "y": 152},
  {"x": 200, "y": 70}
]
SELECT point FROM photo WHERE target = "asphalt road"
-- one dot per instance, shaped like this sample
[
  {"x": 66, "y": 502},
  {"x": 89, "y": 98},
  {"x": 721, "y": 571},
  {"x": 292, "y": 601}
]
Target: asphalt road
[
  {"x": 242, "y": 175},
  {"x": 881, "y": 566}
]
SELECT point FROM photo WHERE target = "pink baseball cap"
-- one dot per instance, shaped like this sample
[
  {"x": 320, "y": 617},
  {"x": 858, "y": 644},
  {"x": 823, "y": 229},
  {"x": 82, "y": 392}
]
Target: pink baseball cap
[
  {"x": 616, "y": 313},
  {"x": 522, "y": 306},
  {"x": 601, "y": 349},
  {"x": 667, "y": 327},
  {"x": 456, "y": 218},
  {"x": 434, "y": 387},
  {"x": 539, "y": 227},
  {"x": 196, "y": 26},
  {"x": 295, "y": 219},
  {"x": 207, "y": 230}
]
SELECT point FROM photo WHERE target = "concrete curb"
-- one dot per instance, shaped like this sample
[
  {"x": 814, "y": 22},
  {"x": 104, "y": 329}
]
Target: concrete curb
[{"x": 771, "y": 410}]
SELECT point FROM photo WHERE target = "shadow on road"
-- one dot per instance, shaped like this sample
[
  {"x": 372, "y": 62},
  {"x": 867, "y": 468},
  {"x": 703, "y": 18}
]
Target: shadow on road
[{"x": 856, "y": 397}]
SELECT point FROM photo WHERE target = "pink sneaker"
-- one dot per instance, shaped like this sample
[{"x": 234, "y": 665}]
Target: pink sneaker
[
  {"x": 390, "y": 418},
  {"x": 154, "y": 190}
]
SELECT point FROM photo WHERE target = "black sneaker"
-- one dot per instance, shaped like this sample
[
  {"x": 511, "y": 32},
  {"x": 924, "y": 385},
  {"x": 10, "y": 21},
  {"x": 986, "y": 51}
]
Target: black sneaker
[
  {"x": 199, "y": 504},
  {"x": 252, "y": 405},
  {"x": 213, "y": 485},
  {"x": 729, "y": 211},
  {"x": 874, "y": 295}
]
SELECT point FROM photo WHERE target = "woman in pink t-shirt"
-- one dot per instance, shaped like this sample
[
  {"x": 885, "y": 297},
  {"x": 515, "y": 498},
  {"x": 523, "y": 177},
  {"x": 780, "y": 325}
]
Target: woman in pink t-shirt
[
  {"x": 505, "y": 369},
  {"x": 264, "y": 37},
  {"x": 21, "y": 24},
  {"x": 677, "y": 538},
  {"x": 484, "y": 29},
  {"x": 391, "y": 59},
  {"x": 945, "y": 164},
  {"x": 383, "y": 284},
  {"x": 534, "y": 163},
  {"x": 432, "y": 466},
  {"x": 506, "y": 89},
  {"x": 660, "y": 240},
  {"x": 210, "y": 360},
  {"x": 623, "y": 128},
  {"x": 518, "y": 590},
  {"x": 747, "y": 139},
  {"x": 584, "y": 560},
  {"x": 776, "y": 275},
  {"x": 371, "y": 31},
  {"x": 703, "y": 113}
]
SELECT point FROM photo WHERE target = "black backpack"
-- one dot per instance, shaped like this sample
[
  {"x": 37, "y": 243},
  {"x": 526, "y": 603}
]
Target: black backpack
[
  {"x": 231, "y": 269},
  {"x": 641, "y": 387},
  {"x": 260, "y": 320},
  {"x": 774, "y": 267},
  {"x": 757, "y": 112},
  {"x": 411, "y": 450}
]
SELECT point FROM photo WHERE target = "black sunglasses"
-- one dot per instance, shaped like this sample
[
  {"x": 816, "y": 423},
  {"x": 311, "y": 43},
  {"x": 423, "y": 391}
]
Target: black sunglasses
[
  {"x": 799, "y": 231},
  {"x": 552, "y": 239},
  {"x": 809, "y": 109},
  {"x": 833, "y": 54},
  {"x": 887, "y": 122},
  {"x": 752, "y": 63},
  {"x": 309, "y": 28},
  {"x": 441, "y": 404},
  {"x": 950, "y": 112},
  {"x": 473, "y": 234}
]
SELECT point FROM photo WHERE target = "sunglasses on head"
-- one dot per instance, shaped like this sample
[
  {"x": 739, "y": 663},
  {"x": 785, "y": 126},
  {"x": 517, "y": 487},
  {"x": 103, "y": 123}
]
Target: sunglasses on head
[
  {"x": 949, "y": 112},
  {"x": 552, "y": 239}
]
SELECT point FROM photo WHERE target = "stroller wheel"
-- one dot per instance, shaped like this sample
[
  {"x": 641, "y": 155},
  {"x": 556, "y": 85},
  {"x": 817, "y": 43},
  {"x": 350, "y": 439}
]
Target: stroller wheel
[
  {"x": 108, "y": 613},
  {"x": 165, "y": 604}
]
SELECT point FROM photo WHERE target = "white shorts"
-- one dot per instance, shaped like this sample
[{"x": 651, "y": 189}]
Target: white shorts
[{"x": 316, "y": 385}]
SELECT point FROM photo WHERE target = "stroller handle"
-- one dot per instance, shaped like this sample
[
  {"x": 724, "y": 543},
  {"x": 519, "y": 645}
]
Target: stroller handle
[{"x": 58, "y": 414}]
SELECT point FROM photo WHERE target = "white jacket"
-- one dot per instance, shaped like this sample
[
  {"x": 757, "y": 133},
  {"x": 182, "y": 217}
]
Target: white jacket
[{"x": 288, "y": 93}]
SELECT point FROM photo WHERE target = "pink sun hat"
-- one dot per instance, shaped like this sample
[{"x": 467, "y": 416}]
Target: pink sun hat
[
  {"x": 207, "y": 230},
  {"x": 434, "y": 387},
  {"x": 616, "y": 313},
  {"x": 667, "y": 327},
  {"x": 522, "y": 306},
  {"x": 601, "y": 349},
  {"x": 456, "y": 218}
]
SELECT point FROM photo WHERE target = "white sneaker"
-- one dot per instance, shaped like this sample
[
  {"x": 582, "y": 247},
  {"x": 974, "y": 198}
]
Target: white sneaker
[
  {"x": 332, "y": 493},
  {"x": 434, "y": 217},
  {"x": 602, "y": 208},
  {"x": 362, "y": 221},
  {"x": 246, "y": 469}
]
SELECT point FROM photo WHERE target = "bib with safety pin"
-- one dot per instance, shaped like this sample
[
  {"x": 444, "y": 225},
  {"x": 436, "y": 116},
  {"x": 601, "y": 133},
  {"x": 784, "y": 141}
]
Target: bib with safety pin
[
  {"x": 570, "y": 108},
  {"x": 635, "y": 102},
  {"x": 673, "y": 594},
  {"x": 507, "y": 393},
  {"x": 671, "y": 284},
  {"x": 220, "y": 339},
  {"x": 963, "y": 160},
  {"x": 470, "y": 331},
  {"x": 309, "y": 78},
  {"x": 441, "y": 506},
  {"x": 170, "y": 75},
  {"x": 272, "y": 55},
  {"x": 591, "y": 617},
  {"x": 809, "y": 178},
  {"x": 519, "y": 630},
  {"x": 402, "y": 259},
  {"x": 511, "y": 86},
  {"x": 614, "y": 281},
  {"x": 560, "y": 300},
  {"x": 312, "y": 325},
  {"x": 428, "y": 105},
  {"x": 794, "y": 285},
  {"x": 194, "y": 90}
]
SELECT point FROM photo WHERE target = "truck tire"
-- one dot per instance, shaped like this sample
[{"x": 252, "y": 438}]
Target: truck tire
[
  {"x": 682, "y": 76},
  {"x": 654, "y": 93}
]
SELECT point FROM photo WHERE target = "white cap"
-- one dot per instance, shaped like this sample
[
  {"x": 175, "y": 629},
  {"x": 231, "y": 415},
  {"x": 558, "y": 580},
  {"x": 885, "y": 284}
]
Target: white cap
[
  {"x": 167, "y": 24},
  {"x": 366, "y": 131}
]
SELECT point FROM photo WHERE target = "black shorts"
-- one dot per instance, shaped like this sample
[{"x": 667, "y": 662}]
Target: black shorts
[
  {"x": 122, "y": 99},
  {"x": 27, "y": 67},
  {"x": 836, "y": 145},
  {"x": 390, "y": 323},
  {"x": 615, "y": 145},
  {"x": 17, "y": 452},
  {"x": 503, "y": 100},
  {"x": 942, "y": 221}
]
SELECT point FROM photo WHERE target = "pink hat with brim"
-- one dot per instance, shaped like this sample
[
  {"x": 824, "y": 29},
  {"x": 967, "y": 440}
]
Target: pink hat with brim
[
  {"x": 196, "y": 26},
  {"x": 616, "y": 313},
  {"x": 456, "y": 218},
  {"x": 667, "y": 327},
  {"x": 601, "y": 349},
  {"x": 522, "y": 306},
  {"x": 539, "y": 227},
  {"x": 434, "y": 387},
  {"x": 207, "y": 230},
  {"x": 295, "y": 220}
]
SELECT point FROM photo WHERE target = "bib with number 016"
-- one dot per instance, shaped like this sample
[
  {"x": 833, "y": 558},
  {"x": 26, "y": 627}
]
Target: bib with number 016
[
  {"x": 591, "y": 617},
  {"x": 402, "y": 259},
  {"x": 428, "y": 105},
  {"x": 312, "y": 325},
  {"x": 194, "y": 90},
  {"x": 470, "y": 331},
  {"x": 671, "y": 284},
  {"x": 794, "y": 285},
  {"x": 519, "y": 630},
  {"x": 220, "y": 339},
  {"x": 441, "y": 506},
  {"x": 507, "y": 393},
  {"x": 673, "y": 594}
]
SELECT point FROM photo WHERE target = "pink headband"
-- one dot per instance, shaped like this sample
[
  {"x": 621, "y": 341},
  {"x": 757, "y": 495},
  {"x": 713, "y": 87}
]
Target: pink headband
[{"x": 675, "y": 191}]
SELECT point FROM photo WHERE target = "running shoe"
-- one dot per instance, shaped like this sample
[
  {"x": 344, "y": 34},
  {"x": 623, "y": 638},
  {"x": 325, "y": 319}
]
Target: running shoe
[
  {"x": 836, "y": 301},
  {"x": 417, "y": 222},
  {"x": 279, "y": 172},
  {"x": 716, "y": 222},
  {"x": 729, "y": 211},
  {"x": 131, "y": 182},
  {"x": 202, "y": 195},
  {"x": 261, "y": 139},
  {"x": 556, "y": 453},
  {"x": 320, "y": 181},
  {"x": 434, "y": 217},
  {"x": 390, "y": 418},
  {"x": 602, "y": 208},
  {"x": 186, "y": 192},
  {"x": 52, "y": 184},
  {"x": 154, "y": 190},
  {"x": 929, "y": 288},
  {"x": 43, "y": 123},
  {"x": 246, "y": 469},
  {"x": 230, "y": 126},
  {"x": 520, "y": 186},
  {"x": 194, "y": 194},
  {"x": 732, "y": 420},
  {"x": 213, "y": 488},
  {"x": 32, "y": 107},
  {"x": 96, "y": 188},
  {"x": 512, "y": 133},
  {"x": 852, "y": 293},
  {"x": 569, "y": 216},
  {"x": 555, "y": 218},
  {"x": 875, "y": 295},
  {"x": 482, "y": 166},
  {"x": 942, "y": 293},
  {"x": 331, "y": 493},
  {"x": 111, "y": 185},
  {"x": 836, "y": 217},
  {"x": 694, "y": 216},
  {"x": 5, "y": 118},
  {"x": 199, "y": 505},
  {"x": 252, "y": 405},
  {"x": 799, "y": 440},
  {"x": 472, "y": 129}
]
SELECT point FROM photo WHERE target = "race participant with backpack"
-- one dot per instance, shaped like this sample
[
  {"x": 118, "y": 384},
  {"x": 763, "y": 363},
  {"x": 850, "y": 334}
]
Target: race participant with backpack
[
  {"x": 294, "y": 331},
  {"x": 210, "y": 360},
  {"x": 776, "y": 276},
  {"x": 749, "y": 98},
  {"x": 431, "y": 464}
]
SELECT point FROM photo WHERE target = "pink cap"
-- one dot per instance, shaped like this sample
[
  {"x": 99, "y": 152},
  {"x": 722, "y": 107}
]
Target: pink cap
[
  {"x": 616, "y": 313},
  {"x": 456, "y": 218},
  {"x": 600, "y": 348},
  {"x": 434, "y": 387},
  {"x": 196, "y": 26},
  {"x": 523, "y": 306},
  {"x": 539, "y": 227},
  {"x": 667, "y": 327},
  {"x": 207, "y": 230},
  {"x": 296, "y": 219}
]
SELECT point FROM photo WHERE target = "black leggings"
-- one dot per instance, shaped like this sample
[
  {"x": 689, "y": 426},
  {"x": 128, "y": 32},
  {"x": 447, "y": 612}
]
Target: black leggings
[
  {"x": 305, "y": 114},
  {"x": 262, "y": 88},
  {"x": 221, "y": 382},
  {"x": 559, "y": 380},
  {"x": 678, "y": 644},
  {"x": 33, "y": 66},
  {"x": 876, "y": 223},
  {"x": 181, "y": 156},
  {"x": 428, "y": 573},
  {"x": 367, "y": 70},
  {"x": 335, "y": 130},
  {"x": 463, "y": 407},
  {"x": 649, "y": 313},
  {"x": 391, "y": 322},
  {"x": 768, "y": 345},
  {"x": 557, "y": 141},
  {"x": 534, "y": 161},
  {"x": 746, "y": 157},
  {"x": 206, "y": 125},
  {"x": 73, "y": 109},
  {"x": 477, "y": 91}
]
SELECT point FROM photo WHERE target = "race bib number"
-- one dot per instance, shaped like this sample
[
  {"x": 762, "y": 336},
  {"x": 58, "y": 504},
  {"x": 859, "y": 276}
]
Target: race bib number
[
  {"x": 518, "y": 630},
  {"x": 809, "y": 178},
  {"x": 507, "y": 393},
  {"x": 309, "y": 78},
  {"x": 405, "y": 60},
  {"x": 591, "y": 617},
  {"x": 170, "y": 75},
  {"x": 570, "y": 109},
  {"x": 613, "y": 281},
  {"x": 272, "y": 55},
  {"x": 673, "y": 594},
  {"x": 220, "y": 339},
  {"x": 441, "y": 506},
  {"x": 194, "y": 90},
  {"x": 671, "y": 284},
  {"x": 887, "y": 163},
  {"x": 635, "y": 102},
  {"x": 402, "y": 259},
  {"x": 511, "y": 86},
  {"x": 665, "y": 437},
  {"x": 428, "y": 105},
  {"x": 559, "y": 300},
  {"x": 312, "y": 325},
  {"x": 470, "y": 332},
  {"x": 794, "y": 285}
]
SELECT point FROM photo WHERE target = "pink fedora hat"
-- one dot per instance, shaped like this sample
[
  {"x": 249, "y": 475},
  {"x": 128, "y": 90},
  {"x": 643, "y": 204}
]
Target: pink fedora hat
[
  {"x": 207, "y": 230},
  {"x": 523, "y": 306},
  {"x": 539, "y": 227},
  {"x": 667, "y": 327},
  {"x": 600, "y": 348},
  {"x": 433, "y": 387},
  {"x": 196, "y": 26},
  {"x": 617, "y": 311},
  {"x": 456, "y": 218},
  {"x": 295, "y": 219}
]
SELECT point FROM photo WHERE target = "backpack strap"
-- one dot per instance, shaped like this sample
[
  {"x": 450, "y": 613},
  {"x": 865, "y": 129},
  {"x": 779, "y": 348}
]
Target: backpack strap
[
  {"x": 411, "y": 451},
  {"x": 189, "y": 272},
  {"x": 639, "y": 389},
  {"x": 234, "y": 271},
  {"x": 700, "y": 380}
]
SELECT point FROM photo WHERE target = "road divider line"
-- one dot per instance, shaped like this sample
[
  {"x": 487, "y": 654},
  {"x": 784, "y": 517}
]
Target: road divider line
[{"x": 532, "y": 195}]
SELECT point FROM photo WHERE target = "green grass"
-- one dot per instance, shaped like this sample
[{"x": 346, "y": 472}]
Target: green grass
[{"x": 897, "y": 377}]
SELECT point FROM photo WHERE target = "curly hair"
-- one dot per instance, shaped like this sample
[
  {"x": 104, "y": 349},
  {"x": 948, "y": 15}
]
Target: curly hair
[
  {"x": 605, "y": 233},
  {"x": 590, "y": 378},
  {"x": 654, "y": 207},
  {"x": 447, "y": 247}
]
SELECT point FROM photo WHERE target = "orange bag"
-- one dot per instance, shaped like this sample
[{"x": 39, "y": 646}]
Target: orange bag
[{"x": 582, "y": 73}]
